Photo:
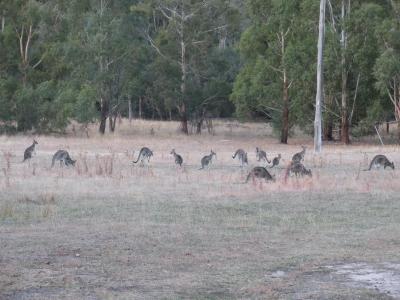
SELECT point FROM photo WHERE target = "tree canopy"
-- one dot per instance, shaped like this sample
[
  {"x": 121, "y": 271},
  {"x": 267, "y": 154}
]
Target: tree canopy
[{"x": 93, "y": 60}]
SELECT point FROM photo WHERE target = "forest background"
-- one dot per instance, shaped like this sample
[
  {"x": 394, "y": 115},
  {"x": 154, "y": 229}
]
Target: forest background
[{"x": 97, "y": 60}]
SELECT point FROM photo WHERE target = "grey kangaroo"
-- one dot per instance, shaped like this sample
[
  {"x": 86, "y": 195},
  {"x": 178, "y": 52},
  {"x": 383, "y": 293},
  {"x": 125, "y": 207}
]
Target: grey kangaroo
[
  {"x": 206, "y": 160},
  {"x": 29, "y": 151},
  {"x": 298, "y": 157},
  {"x": 276, "y": 160},
  {"x": 178, "y": 158},
  {"x": 63, "y": 157},
  {"x": 260, "y": 172},
  {"x": 143, "y": 154},
  {"x": 242, "y": 156},
  {"x": 261, "y": 154},
  {"x": 298, "y": 169},
  {"x": 379, "y": 161}
]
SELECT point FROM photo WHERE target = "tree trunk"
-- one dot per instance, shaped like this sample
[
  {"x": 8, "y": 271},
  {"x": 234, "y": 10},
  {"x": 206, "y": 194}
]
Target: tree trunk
[
  {"x": 3, "y": 21},
  {"x": 112, "y": 121},
  {"x": 130, "y": 110},
  {"x": 140, "y": 107},
  {"x": 103, "y": 115},
  {"x": 345, "y": 134},
  {"x": 345, "y": 137},
  {"x": 398, "y": 132},
  {"x": 184, "y": 120},
  {"x": 328, "y": 121},
  {"x": 285, "y": 111},
  {"x": 183, "y": 78},
  {"x": 320, "y": 81}
]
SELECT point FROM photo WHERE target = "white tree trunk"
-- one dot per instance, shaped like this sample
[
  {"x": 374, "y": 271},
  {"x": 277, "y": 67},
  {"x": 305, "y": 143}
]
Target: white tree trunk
[{"x": 320, "y": 81}]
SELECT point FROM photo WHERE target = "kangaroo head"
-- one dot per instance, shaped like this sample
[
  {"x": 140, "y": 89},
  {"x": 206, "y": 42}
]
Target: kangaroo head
[
  {"x": 35, "y": 143},
  {"x": 392, "y": 165},
  {"x": 213, "y": 153},
  {"x": 308, "y": 172},
  {"x": 273, "y": 178},
  {"x": 73, "y": 162},
  {"x": 279, "y": 155},
  {"x": 172, "y": 151}
]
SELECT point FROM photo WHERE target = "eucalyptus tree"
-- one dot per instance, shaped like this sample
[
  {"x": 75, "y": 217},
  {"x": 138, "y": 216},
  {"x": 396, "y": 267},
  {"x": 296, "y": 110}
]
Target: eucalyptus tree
[
  {"x": 183, "y": 33},
  {"x": 275, "y": 61},
  {"x": 352, "y": 47},
  {"x": 387, "y": 67}
]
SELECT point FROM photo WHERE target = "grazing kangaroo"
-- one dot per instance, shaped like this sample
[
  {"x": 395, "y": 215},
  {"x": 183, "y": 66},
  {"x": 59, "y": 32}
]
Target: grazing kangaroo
[
  {"x": 276, "y": 160},
  {"x": 63, "y": 157},
  {"x": 178, "y": 158},
  {"x": 261, "y": 154},
  {"x": 298, "y": 157},
  {"x": 29, "y": 151},
  {"x": 143, "y": 154},
  {"x": 206, "y": 160},
  {"x": 379, "y": 161},
  {"x": 242, "y": 156},
  {"x": 260, "y": 172},
  {"x": 298, "y": 169}
]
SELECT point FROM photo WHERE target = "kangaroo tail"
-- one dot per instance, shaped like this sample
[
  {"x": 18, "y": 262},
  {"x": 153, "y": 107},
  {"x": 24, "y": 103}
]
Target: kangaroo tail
[{"x": 140, "y": 154}]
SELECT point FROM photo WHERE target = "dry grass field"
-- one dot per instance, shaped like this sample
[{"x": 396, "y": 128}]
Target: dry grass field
[{"x": 106, "y": 229}]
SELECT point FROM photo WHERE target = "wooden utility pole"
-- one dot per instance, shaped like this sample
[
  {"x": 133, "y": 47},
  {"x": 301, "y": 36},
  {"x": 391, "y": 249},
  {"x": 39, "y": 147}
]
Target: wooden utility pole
[{"x": 320, "y": 80}]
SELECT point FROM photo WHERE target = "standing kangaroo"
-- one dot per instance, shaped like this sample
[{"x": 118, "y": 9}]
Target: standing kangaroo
[
  {"x": 63, "y": 157},
  {"x": 242, "y": 156},
  {"x": 143, "y": 154},
  {"x": 261, "y": 154},
  {"x": 260, "y": 172},
  {"x": 178, "y": 158},
  {"x": 276, "y": 160},
  {"x": 298, "y": 157},
  {"x": 206, "y": 160},
  {"x": 379, "y": 161},
  {"x": 29, "y": 151}
]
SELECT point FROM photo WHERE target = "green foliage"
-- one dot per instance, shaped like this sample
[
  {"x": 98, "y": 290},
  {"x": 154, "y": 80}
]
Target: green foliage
[{"x": 83, "y": 55}]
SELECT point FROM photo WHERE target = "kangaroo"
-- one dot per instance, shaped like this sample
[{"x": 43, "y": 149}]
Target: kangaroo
[
  {"x": 298, "y": 169},
  {"x": 276, "y": 160},
  {"x": 178, "y": 158},
  {"x": 143, "y": 154},
  {"x": 261, "y": 154},
  {"x": 379, "y": 161},
  {"x": 63, "y": 157},
  {"x": 260, "y": 172},
  {"x": 29, "y": 151},
  {"x": 298, "y": 157},
  {"x": 207, "y": 160},
  {"x": 242, "y": 156}
]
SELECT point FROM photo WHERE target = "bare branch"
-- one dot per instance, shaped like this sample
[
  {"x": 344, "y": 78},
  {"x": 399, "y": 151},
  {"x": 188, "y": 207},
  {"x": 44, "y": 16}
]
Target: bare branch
[
  {"x": 27, "y": 43},
  {"x": 151, "y": 41},
  {"x": 38, "y": 63},
  {"x": 355, "y": 98}
]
